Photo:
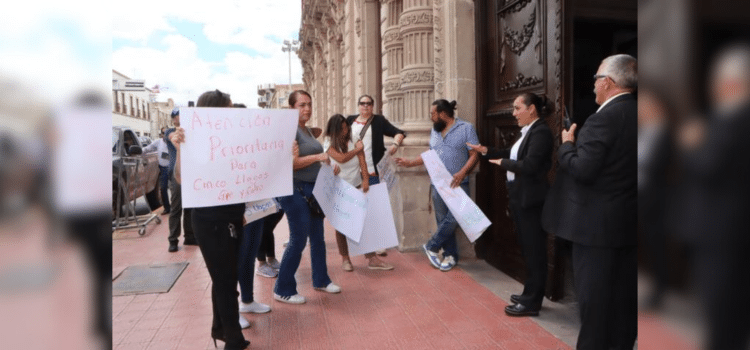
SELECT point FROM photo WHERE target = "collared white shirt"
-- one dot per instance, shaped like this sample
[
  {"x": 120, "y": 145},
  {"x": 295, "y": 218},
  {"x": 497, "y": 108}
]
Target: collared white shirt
[
  {"x": 609, "y": 100},
  {"x": 514, "y": 150}
]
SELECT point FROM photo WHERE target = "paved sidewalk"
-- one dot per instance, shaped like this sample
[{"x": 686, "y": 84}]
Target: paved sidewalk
[{"x": 412, "y": 307}]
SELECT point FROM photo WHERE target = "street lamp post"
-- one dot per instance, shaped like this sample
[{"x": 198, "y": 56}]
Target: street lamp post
[{"x": 289, "y": 47}]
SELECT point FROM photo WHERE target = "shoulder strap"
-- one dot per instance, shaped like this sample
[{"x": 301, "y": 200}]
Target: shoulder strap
[{"x": 367, "y": 125}]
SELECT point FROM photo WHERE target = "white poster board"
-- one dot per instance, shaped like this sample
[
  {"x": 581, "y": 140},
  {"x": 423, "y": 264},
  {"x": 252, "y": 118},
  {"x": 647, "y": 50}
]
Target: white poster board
[
  {"x": 236, "y": 155},
  {"x": 343, "y": 204},
  {"x": 471, "y": 219},
  {"x": 379, "y": 231},
  {"x": 387, "y": 171}
]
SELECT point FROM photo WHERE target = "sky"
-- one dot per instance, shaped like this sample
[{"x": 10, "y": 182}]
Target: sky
[{"x": 189, "y": 47}]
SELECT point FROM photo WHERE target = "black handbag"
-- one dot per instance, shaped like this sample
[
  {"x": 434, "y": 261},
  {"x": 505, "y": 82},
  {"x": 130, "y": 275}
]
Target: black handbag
[{"x": 315, "y": 208}]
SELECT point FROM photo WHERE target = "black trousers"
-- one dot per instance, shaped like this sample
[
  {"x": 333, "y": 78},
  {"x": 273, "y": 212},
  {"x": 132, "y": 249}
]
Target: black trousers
[
  {"x": 605, "y": 281},
  {"x": 176, "y": 219},
  {"x": 266, "y": 249},
  {"x": 220, "y": 252},
  {"x": 533, "y": 242}
]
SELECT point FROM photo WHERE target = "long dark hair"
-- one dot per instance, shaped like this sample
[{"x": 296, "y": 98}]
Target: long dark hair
[
  {"x": 214, "y": 98},
  {"x": 443, "y": 105},
  {"x": 544, "y": 106},
  {"x": 295, "y": 95},
  {"x": 334, "y": 130}
]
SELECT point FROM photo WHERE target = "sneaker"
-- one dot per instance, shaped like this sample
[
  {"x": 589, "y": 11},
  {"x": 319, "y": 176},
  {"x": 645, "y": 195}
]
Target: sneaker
[
  {"x": 432, "y": 256},
  {"x": 330, "y": 288},
  {"x": 292, "y": 299},
  {"x": 382, "y": 252},
  {"x": 275, "y": 264},
  {"x": 347, "y": 265},
  {"x": 254, "y": 307},
  {"x": 266, "y": 271},
  {"x": 448, "y": 263},
  {"x": 244, "y": 323}
]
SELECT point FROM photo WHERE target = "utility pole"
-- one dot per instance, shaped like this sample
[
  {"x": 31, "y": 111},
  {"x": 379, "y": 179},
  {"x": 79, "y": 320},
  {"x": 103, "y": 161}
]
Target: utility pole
[{"x": 289, "y": 47}]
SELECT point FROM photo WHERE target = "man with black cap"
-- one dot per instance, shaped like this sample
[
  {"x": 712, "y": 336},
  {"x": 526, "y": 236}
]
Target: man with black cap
[{"x": 175, "y": 213}]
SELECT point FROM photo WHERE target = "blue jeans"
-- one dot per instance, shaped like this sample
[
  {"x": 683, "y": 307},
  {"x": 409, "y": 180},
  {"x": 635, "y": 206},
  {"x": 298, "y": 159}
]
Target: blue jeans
[
  {"x": 251, "y": 235},
  {"x": 301, "y": 224},
  {"x": 445, "y": 235},
  {"x": 164, "y": 186}
]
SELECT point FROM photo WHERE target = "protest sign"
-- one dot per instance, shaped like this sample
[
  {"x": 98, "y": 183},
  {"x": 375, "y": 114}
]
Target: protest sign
[
  {"x": 387, "y": 171},
  {"x": 379, "y": 231},
  {"x": 471, "y": 219},
  {"x": 236, "y": 155},
  {"x": 343, "y": 204},
  {"x": 259, "y": 209}
]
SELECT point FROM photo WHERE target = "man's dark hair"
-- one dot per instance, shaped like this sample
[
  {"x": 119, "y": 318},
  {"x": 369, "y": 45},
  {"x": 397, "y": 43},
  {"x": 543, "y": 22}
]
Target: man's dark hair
[{"x": 445, "y": 106}]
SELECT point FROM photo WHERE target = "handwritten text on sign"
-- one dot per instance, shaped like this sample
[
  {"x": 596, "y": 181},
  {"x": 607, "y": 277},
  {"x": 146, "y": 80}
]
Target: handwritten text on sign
[
  {"x": 236, "y": 155},
  {"x": 471, "y": 219},
  {"x": 343, "y": 204}
]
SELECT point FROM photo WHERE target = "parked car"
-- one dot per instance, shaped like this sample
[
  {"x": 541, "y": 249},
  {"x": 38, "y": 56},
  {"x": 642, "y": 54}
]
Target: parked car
[
  {"x": 145, "y": 141},
  {"x": 129, "y": 184}
]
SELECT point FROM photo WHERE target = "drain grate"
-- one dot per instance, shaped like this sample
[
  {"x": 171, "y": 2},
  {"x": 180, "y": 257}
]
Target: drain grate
[{"x": 147, "y": 279}]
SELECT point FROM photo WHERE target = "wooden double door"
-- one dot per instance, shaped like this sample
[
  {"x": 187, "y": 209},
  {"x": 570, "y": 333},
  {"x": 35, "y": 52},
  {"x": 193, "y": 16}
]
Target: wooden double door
[{"x": 530, "y": 46}]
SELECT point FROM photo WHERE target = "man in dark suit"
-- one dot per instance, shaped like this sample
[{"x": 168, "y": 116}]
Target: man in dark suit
[
  {"x": 595, "y": 207},
  {"x": 527, "y": 163}
]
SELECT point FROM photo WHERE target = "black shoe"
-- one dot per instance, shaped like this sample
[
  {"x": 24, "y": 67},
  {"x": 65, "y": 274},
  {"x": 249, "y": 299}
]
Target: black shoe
[
  {"x": 173, "y": 248},
  {"x": 190, "y": 242},
  {"x": 515, "y": 298},
  {"x": 521, "y": 310},
  {"x": 165, "y": 212}
]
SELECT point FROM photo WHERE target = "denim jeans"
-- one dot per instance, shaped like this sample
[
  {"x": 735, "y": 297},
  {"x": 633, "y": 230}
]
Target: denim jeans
[
  {"x": 445, "y": 234},
  {"x": 301, "y": 224},
  {"x": 251, "y": 236},
  {"x": 164, "y": 186}
]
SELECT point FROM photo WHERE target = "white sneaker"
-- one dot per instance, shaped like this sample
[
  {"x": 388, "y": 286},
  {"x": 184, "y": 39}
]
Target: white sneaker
[
  {"x": 448, "y": 263},
  {"x": 293, "y": 299},
  {"x": 266, "y": 270},
  {"x": 254, "y": 307},
  {"x": 244, "y": 323},
  {"x": 275, "y": 264},
  {"x": 330, "y": 288}
]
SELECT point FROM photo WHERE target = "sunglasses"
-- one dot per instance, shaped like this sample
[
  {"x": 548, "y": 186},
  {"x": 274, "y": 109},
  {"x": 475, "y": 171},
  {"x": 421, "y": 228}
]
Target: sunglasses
[{"x": 365, "y": 103}]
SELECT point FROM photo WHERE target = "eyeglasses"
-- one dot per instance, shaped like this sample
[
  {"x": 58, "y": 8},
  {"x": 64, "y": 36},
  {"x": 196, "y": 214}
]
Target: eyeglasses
[
  {"x": 365, "y": 103},
  {"x": 597, "y": 76}
]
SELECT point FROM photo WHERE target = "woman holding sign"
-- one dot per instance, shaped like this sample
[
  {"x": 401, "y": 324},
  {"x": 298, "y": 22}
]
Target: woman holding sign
[
  {"x": 528, "y": 161},
  {"x": 218, "y": 232},
  {"x": 340, "y": 147},
  {"x": 304, "y": 213}
]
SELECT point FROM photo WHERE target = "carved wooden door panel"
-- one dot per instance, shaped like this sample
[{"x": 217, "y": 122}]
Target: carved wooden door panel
[{"x": 520, "y": 45}]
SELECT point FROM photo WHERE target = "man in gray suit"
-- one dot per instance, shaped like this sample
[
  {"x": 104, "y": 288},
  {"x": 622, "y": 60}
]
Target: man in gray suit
[{"x": 593, "y": 204}]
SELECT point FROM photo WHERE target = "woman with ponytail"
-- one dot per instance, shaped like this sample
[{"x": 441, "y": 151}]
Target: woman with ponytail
[{"x": 527, "y": 163}]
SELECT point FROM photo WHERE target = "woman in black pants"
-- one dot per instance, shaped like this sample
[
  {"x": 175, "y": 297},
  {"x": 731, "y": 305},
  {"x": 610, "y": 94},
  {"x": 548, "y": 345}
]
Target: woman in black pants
[{"x": 218, "y": 231}]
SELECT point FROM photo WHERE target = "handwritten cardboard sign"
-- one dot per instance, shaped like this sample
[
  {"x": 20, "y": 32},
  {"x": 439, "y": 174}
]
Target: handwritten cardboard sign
[
  {"x": 379, "y": 231},
  {"x": 471, "y": 219},
  {"x": 343, "y": 204},
  {"x": 236, "y": 155},
  {"x": 387, "y": 171}
]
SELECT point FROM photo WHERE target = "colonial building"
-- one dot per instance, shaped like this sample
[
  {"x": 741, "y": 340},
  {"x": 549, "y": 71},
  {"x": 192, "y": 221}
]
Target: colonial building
[
  {"x": 131, "y": 106},
  {"x": 408, "y": 53},
  {"x": 276, "y": 95}
]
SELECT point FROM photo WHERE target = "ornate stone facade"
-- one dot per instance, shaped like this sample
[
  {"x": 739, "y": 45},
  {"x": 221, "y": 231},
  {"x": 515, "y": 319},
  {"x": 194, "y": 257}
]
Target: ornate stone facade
[{"x": 400, "y": 53}]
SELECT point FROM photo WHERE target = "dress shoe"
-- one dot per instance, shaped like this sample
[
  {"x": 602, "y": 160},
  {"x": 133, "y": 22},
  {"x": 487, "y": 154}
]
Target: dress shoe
[
  {"x": 521, "y": 310},
  {"x": 515, "y": 298},
  {"x": 172, "y": 248},
  {"x": 190, "y": 242}
]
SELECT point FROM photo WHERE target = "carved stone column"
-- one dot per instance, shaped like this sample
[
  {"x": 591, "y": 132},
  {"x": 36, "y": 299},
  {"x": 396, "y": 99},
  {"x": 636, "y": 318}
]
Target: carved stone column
[
  {"x": 393, "y": 61},
  {"x": 370, "y": 48},
  {"x": 414, "y": 222}
]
